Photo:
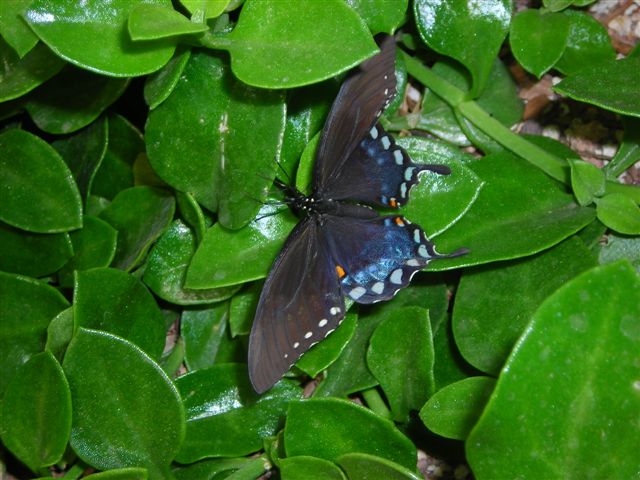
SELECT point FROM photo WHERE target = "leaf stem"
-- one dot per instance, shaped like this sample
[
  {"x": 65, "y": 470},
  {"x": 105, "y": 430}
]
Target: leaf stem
[{"x": 375, "y": 402}]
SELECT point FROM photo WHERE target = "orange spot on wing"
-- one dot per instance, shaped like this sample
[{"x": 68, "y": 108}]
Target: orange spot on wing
[
  {"x": 399, "y": 221},
  {"x": 341, "y": 272},
  {"x": 393, "y": 203}
]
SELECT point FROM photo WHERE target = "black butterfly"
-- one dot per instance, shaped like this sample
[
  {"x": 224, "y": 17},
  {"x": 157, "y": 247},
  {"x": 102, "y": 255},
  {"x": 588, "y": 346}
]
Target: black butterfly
[{"x": 341, "y": 247}]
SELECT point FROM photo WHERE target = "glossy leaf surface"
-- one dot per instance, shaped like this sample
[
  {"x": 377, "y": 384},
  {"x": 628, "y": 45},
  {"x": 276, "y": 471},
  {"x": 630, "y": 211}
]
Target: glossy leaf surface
[
  {"x": 149, "y": 21},
  {"x": 14, "y": 30},
  {"x": 225, "y": 137},
  {"x": 470, "y": 32},
  {"x": 38, "y": 437},
  {"x": 302, "y": 467},
  {"x": 203, "y": 332},
  {"x": 116, "y": 302},
  {"x": 620, "y": 213},
  {"x": 140, "y": 215},
  {"x": 362, "y": 465},
  {"x": 323, "y": 39},
  {"x": 487, "y": 321},
  {"x": 27, "y": 308},
  {"x": 225, "y": 417},
  {"x": 126, "y": 411},
  {"x": 102, "y": 25},
  {"x": 329, "y": 428},
  {"x": 453, "y": 411},
  {"x": 590, "y": 327},
  {"x": 38, "y": 191},
  {"x": 380, "y": 15}
]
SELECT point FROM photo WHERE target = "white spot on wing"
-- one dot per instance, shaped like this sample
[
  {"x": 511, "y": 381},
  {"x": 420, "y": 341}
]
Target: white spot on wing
[
  {"x": 296, "y": 345},
  {"x": 308, "y": 335},
  {"x": 396, "y": 276},
  {"x": 377, "y": 288},
  {"x": 322, "y": 322},
  {"x": 357, "y": 292},
  {"x": 403, "y": 190},
  {"x": 423, "y": 252},
  {"x": 408, "y": 173},
  {"x": 335, "y": 310},
  {"x": 385, "y": 142},
  {"x": 412, "y": 262},
  {"x": 374, "y": 133},
  {"x": 397, "y": 154},
  {"x": 416, "y": 236}
]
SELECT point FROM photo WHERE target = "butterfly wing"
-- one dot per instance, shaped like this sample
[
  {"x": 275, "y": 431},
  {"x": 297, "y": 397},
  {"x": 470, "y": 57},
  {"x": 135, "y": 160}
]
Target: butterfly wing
[
  {"x": 379, "y": 255},
  {"x": 360, "y": 101},
  {"x": 300, "y": 304}
]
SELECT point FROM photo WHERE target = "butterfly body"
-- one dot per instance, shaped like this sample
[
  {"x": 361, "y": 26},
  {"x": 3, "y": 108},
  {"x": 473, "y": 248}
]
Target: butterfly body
[{"x": 342, "y": 247}]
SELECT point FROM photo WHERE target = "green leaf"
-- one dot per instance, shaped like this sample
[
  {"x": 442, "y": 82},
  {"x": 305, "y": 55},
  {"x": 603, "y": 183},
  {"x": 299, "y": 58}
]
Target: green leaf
[
  {"x": 211, "y": 8},
  {"x": 329, "y": 428},
  {"x": 210, "y": 469},
  {"x": 21, "y": 75},
  {"x": 38, "y": 192},
  {"x": 203, "y": 331},
  {"x": 192, "y": 214},
  {"x": 487, "y": 322},
  {"x": 115, "y": 174},
  {"x": 93, "y": 35},
  {"x": 619, "y": 248},
  {"x": 449, "y": 366},
  {"x": 587, "y": 181},
  {"x": 225, "y": 137},
  {"x": 381, "y": 15},
  {"x": 225, "y": 417},
  {"x": 323, "y": 39},
  {"x": 456, "y": 191},
  {"x": 609, "y": 85},
  {"x": 84, "y": 152},
  {"x": 114, "y": 301},
  {"x": 228, "y": 258},
  {"x": 13, "y": 27},
  {"x": 470, "y": 32},
  {"x": 326, "y": 352},
  {"x": 120, "y": 474},
  {"x": 243, "y": 307},
  {"x": 588, "y": 43},
  {"x": 153, "y": 21},
  {"x": 303, "y": 467},
  {"x": 362, "y": 465},
  {"x": 36, "y": 412},
  {"x": 520, "y": 211},
  {"x": 556, "y": 5},
  {"x": 59, "y": 333},
  {"x": 400, "y": 356},
  {"x": 126, "y": 411},
  {"x": 33, "y": 254},
  {"x": 167, "y": 265},
  {"x": 453, "y": 411},
  {"x": 73, "y": 99},
  {"x": 160, "y": 84},
  {"x": 93, "y": 246},
  {"x": 620, "y": 213},
  {"x": 567, "y": 402},
  {"x": 628, "y": 151},
  {"x": 27, "y": 308},
  {"x": 538, "y": 39},
  {"x": 140, "y": 215}
]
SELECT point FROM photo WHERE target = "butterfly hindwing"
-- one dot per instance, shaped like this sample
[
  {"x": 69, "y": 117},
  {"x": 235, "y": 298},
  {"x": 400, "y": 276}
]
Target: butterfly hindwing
[
  {"x": 360, "y": 101},
  {"x": 300, "y": 304},
  {"x": 378, "y": 255}
]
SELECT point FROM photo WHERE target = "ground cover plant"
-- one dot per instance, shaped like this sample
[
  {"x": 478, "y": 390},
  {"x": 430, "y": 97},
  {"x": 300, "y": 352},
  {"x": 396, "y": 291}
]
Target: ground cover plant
[{"x": 138, "y": 148}]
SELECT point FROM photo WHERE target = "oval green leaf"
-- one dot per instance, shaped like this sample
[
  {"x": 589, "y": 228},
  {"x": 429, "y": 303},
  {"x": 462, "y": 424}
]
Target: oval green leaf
[
  {"x": 453, "y": 411},
  {"x": 362, "y": 465},
  {"x": 303, "y": 467},
  {"x": 225, "y": 417},
  {"x": 93, "y": 35},
  {"x": 620, "y": 213},
  {"x": 166, "y": 269},
  {"x": 381, "y": 15},
  {"x": 140, "y": 215},
  {"x": 203, "y": 331},
  {"x": 32, "y": 254},
  {"x": 329, "y": 428},
  {"x": 565, "y": 405},
  {"x": 290, "y": 44},
  {"x": 36, "y": 412},
  {"x": 13, "y": 27},
  {"x": 225, "y": 140},
  {"x": 160, "y": 84},
  {"x": 27, "y": 308},
  {"x": 126, "y": 411},
  {"x": 37, "y": 189},
  {"x": 153, "y": 21},
  {"x": 114, "y": 301},
  {"x": 400, "y": 356},
  {"x": 470, "y": 32},
  {"x": 73, "y": 99},
  {"x": 486, "y": 321}
]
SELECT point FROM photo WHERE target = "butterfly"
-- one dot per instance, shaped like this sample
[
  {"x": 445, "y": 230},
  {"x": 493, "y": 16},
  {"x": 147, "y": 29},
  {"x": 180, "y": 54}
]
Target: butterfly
[{"x": 341, "y": 246}]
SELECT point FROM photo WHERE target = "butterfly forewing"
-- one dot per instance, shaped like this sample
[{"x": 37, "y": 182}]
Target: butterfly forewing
[
  {"x": 300, "y": 305},
  {"x": 361, "y": 100}
]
